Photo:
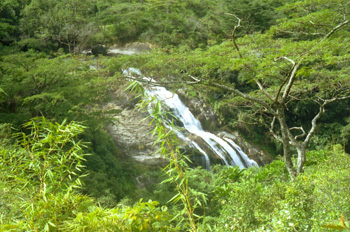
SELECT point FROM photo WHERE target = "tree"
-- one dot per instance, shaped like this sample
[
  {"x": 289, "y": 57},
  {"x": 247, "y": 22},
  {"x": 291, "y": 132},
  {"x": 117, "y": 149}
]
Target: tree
[
  {"x": 10, "y": 11},
  {"x": 51, "y": 23},
  {"x": 310, "y": 64}
]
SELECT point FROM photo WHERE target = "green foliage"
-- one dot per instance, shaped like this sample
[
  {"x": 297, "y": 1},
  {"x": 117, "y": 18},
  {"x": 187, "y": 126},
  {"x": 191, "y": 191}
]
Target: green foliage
[
  {"x": 267, "y": 58},
  {"x": 76, "y": 25},
  {"x": 142, "y": 216},
  {"x": 178, "y": 167},
  {"x": 112, "y": 175},
  {"x": 65, "y": 87},
  {"x": 265, "y": 199},
  {"x": 39, "y": 177},
  {"x": 310, "y": 19},
  {"x": 53, "y": 23},
  {"x": 43, "y": 170},
  {"x": 343, "y": 225}
]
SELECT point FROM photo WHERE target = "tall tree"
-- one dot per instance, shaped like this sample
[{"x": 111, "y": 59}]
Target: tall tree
[
  {"x": 50, "y": 23},
  {"x": 309, "y": 62}
]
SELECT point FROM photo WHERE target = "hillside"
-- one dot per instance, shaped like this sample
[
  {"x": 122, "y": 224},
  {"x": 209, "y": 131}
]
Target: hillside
[{"x": 276, "y": 73}]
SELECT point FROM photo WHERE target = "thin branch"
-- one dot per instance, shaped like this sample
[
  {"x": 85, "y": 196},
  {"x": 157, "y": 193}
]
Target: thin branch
[
  {"x": 286, "y": 58},
  {"x": 336, "y": 28},
  {"x": 291, "y": 80},
  {"x": 243, "y": 95},
  {"x": 151, "y": 82},
  {"x": 318, "y": 24},
  {"x": 318, "y": 115},
  {"x": 285, "y": 81},
  {"x": 272, "y": 125},
  {"x": 196, "y": 80},
  {"x": 299, "y": 128},
  {"x": 234, "y": 32},
  {"x": 261, "y": 87},
  {"x": 301, "y": 32}
]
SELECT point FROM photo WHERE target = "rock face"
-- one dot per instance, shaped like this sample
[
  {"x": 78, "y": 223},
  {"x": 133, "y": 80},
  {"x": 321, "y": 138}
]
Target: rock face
[
  {"x": 132, "y": 133},
  {"x": 203, "y": 112}
]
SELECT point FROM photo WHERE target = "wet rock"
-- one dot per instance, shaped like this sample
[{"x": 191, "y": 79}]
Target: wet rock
[
  {"x": 99, "y": 50},
  {"x": 202, "y": 111}
]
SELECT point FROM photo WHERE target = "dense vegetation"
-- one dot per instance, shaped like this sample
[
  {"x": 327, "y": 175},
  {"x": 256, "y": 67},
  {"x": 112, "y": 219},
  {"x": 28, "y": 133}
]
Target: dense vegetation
[{"x": 278, "y": 71}]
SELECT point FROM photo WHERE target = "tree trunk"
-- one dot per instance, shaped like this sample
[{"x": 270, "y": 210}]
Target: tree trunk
[
  {"x": 301, "y": 159},
  {"x": 288, "y": 158},
  {"x": 285, "y": 140}
]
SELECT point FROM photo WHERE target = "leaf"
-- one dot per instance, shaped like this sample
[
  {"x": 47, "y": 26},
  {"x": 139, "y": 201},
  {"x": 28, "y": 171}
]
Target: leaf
[
  {"x": 2, "y": 91},
  {"x": 175, "y": 198},
  {"x": 42, "y": 96},
  {"x": 132, "y": 86},
  {"x": 167, "y": 180},
  {"x": 336, "y": 227},
  {"x": 342, "y": 220},
  {"x": 51, "y": 224}
]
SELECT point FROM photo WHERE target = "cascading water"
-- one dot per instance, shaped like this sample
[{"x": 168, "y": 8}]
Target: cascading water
[{"x": 229, "y": 152}]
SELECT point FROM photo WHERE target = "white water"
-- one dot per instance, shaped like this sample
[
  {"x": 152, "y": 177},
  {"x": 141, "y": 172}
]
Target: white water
[
  {"x": 121, "y": 51},
  {"x": 243, "y": 155},
  {"x": 229, "y": 152}
]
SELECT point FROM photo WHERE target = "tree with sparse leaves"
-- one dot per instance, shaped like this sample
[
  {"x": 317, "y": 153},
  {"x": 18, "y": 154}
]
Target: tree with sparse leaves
[{"x": 303, "y": 58}]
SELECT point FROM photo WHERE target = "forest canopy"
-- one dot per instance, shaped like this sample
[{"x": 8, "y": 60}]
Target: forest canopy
[{"x": 276, "y": 71}]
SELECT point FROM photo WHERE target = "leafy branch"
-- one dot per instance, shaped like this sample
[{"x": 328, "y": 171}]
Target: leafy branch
[{"x": 178, "y": 162}]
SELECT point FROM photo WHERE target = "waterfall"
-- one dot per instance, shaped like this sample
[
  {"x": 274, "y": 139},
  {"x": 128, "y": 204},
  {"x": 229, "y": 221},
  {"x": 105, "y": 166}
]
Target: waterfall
[{"x": 229, "y": 152}]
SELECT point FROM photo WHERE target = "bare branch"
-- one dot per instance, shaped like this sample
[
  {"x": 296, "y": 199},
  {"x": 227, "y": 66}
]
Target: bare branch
[
  {"x": 318, "y": 115},
  {"x": 272, "y": 125},
  {"x": 234, "y": 32},
  {"x": 261, "y": 87},
  {"x": 292, "y": 75},
  {"x": 286, "y": 58},
  {"x": 319, "y": 24},
  {"x": 301, "y": 32},
  {"x": 285, "y": 81},
  {"x": 245, "y": 96},
  {"x": 196, "y": 80},
  {"x": 291, "y": 80},
  {"x": 336, "y": 28},
  {"x": 298, "y": 128},
  {"x": 150, "y": 82}
]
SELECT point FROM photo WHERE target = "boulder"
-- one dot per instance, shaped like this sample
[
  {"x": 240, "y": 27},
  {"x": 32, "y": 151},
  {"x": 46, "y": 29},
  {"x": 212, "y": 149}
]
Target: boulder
[{"x": 99, "y": 50}]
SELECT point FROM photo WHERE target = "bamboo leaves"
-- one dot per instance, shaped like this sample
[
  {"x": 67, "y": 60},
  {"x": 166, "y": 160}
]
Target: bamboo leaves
[{"x": 177, "y": 169}]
